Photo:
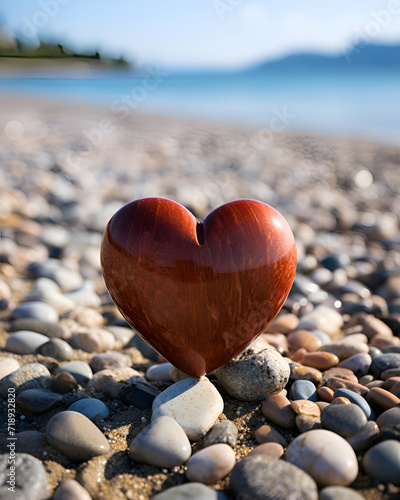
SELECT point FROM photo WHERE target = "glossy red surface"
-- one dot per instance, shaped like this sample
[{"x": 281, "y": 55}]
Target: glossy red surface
[{"x": 199, "y": 293}]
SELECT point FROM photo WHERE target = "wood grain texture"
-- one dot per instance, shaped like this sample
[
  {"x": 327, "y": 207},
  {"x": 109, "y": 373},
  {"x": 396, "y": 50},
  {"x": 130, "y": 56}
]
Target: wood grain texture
[{"x": 199, "y": 293}]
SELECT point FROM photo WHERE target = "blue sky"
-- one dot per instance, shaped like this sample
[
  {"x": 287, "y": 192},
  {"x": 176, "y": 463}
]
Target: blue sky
[{"x": 204, "y": 33}]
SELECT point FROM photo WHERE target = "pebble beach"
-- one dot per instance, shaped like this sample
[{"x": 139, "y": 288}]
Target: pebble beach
[{"x": 311, "y": 410}]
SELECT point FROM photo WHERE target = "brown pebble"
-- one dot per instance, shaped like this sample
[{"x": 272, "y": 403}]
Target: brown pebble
[
  {"x": 270, "y": 449},
  {"x": 364, "y": 439},
  {"x": 392, "y": 372},
  {"x": 303, "y": 338},
  {"x": 395, "y": 389},
  {"x": 374, "y": 383},
  {"x": 277, "y": 408},
  {"x": 298, "y": 355},
  {"x": 300, "y": 372},
  {"x": 390, "y": 382},
  {"x": 389, "y": 417},
  {"x": 382, "y": 398},
  {"x": 342, "y": 373},
  {"x": 339, "y": 383},
  {"x": 267, "y": 434},
  {"x": 325, "y": 393},
  {"x": 379, "y": 341},
  {"x": 284, "y": 323},
  {"x": 305, "y": 407},
  {"x": 366, "y": 379},
  {"x": 64, "y": 382},
  {"x": 322, "y": 404},
  {"x": 320, "y": 360},
  {"x": 306, "y": 423},
  {"x": 341, "y": 401},
  {"x": 371, "y": 326}
]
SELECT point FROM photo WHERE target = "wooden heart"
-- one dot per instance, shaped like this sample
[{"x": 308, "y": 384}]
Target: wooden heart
[{"x": 198, "y": 292}]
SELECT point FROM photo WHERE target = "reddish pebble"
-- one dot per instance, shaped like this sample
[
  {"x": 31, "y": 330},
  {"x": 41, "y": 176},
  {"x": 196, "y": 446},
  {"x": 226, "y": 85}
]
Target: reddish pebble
[
  {"x": 342, "y": 373},
  {"x": 270, "y": 449},
  {"x": 300, "y": 372},
  {"x": 325, "y": 393},
  {"x": 305, "y": 339},
  {"x": 320, "y": 360},
  {"x": 392, "y": 372},
  {"x": 284, "y": 323},
  {"x": 338, "y": 383},
  {"x": 341, "y": 401},
  {"x": 277, "y": 409},
  {"x": 267, "y": 434},
  {"x": 389, "y": 417},
  {"x": 390, "y": 382},
  {"x": 382, "y": 398},
  {"x": 380, "y": 341},
  {"x": 305, "y": 407},
  {"x": 298, "y": 355}
]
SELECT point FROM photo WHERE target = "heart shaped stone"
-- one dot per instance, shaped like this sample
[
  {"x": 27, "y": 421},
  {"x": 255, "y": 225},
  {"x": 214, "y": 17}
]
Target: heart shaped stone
[{"x": 198, "y": 292}]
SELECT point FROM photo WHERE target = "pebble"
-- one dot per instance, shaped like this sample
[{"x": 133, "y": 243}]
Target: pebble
[
  {"x": 84, "y": 295},
  {"x": 75, "y": 436},
  {"x": 160, "y": 372},
  {"x": 393, "y": 372},
  {"x": 93, "y": 340},
  {"x": 194, "y": 403},
  {"x": 162, "y": 443},
  {"x": 38, "y": 401},
  {"x": 224, "y": 432},
  {"x": 383, "y": 362},
  {"x": 335, "y": 383},
  {"x": 71, "y": 490},
  {"x": 30, "y": 478},
  {"x": 358, "y": 363},
  {"x": 342, "y": 373},
  {"x": 389, "y": 417},
  {"x": 277, "y": 408},
  {"x": 344, "y": 350},
  {"x": 305, "y": 407},
  {"x": 57, "y": 349},
  {"x": 29, "y": 376},
  {"x": 389, "y": 432},
  {"x": 121, "y": 333},
  {"x": 110, "y": 382},
  {"x": 254, "y": 375},
  {"x": 303, "y": 339},
  {"x": 382, "y": 398},
  {"x": 326, "y": 456},
  {"x": 356, "y": 399},
  {"x": 46, "y": 290},
  {"x": 7, "y": 366},
  {"x": 265, "y": 478},
  {"x": 382, "y": 462},
  {"x": 283, "y": 323},
  {"x": 346, "y": 420},
  {"x": 300, "y": 372},
  {"x": 306, "y": 423},
  {"x": 320, "y": 360},
  {"x": 339, "y": 493},
  {"x": 87, "y": 318},
  {"x": 36, "y": 310},
  {"x": 303, "y": 389},
  {"x": 64, "y": 382},
  {"x": 198, "y": 491},
  {"x": 139, "y": 394},
  {"x": 325, "y": 393},
  {"x": 146, "y": 349},
  {"x": 80, "y": 370},
  {"x": 66, "y": 279},
  {"x": 91, "y": 408},
  {"x": 109, "y": 361},
  {"x": 34, "y": 325},
  {"x": 364, "y": 439},
  {"x": 211, "y": 464},
  {"x": 269, "y": 449},
  {"x": 268, "y": 434},
  {"x": 25, "y": 342}
]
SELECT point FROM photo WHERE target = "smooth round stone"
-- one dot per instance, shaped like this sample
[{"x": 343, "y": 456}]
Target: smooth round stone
[
  {"x": 305, "y": 407},
  {"x": 64, "y": 382},
  {"x": 110, "y": 382},
  {"x": 274, "y": 450},
  {"x": 30, "y": 478},
  {"x": 358, "y": 363},
  {"x": 36, "y": 310},
  {"x": 84, "y": 295},
  {"x": 139, "y": 394},
  {"x": 335, "y": 383},
  {"x": 382, "y": 398},
  {"x": 345, "y": 420},
  {"x": 38, "y": 401},
  {"x": 211, "y": 464},
  {"x": 382, "y": 462},
  {"x": 336, "y": 261},
  {"x": 109, "y": 361},
  {"x": 30, "y": 376},
  {"x": 338, "y": 372},
  {"x": 121, "y": 333},
  {"x": 198, "y": 491},
  {"x": 339, "y": 493},
  {"x": 80, "y": 370},
  {"x": 307, "y": 423},
  {"x": 365, "y": 438},
  {"x": 389, "y": 417},
  {"x": 303, "y": 389},
  {"x": 51, "y": 330},
  {"x": 57, "y": 349},
  {"x": 254, "y": 375},
  {"x": 71, "y": 490},
  {"x": 159, "y": 372},
  {"x": 7, "y": 366},
  {"x": 53, "y": 269},
  {"x": 300, "y": 372},
  {"x": 389, "y": 432},
  {"x": 162, "y": 443},
  {"x": 322, "y": 318},
  {"x": 383, "y": 362},
  {"x": 25, "y": 342},
  {"x": 194, "y": 403},
  {"x": 268, "y": 434},
  {"x": 75, "y": 436},
  {"x": 91, "y": 408},
  {"x": 31, "y": 442},
  {"x": 225, "y": 432},
  {"x": 303, "y": 339},
  {"x": 93, "y": 340},
  {"x": 394, "y": 372},
  {"x": 325, "y": 393},
  {"x": 326, "y": 456},
  {"x": 320, "y": 360},
  {"x": 277, "y": 408},
  {"x": 46, "y": 290},
  {"x": 344, "y": 350},
  {"x": 356, "y": 399},
  {"x": 265, "y": 478}
]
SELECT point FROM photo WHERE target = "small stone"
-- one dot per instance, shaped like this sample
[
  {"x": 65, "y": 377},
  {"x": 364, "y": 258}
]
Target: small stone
[
  {"x": 356, "y": 399},
  {"x": 305, "y": 407},
  {"x": 392, "y": 372},
  {"x": 323, "y": 318},
  {"x": 163, "y": 443},
  {"x": 358, "y": 363},
  {"x": 382, "y": 398},
  {"x": 303, "y": 389},
  {"x": 383, "y": 362},
  {"x": 198, "y": 491},
  {"x": 121, "y": 333},
  {"x": 341, "y": 401},
  {"x": 139, "y": 394},
  {"x": 325, "y": 393},
  {"x": 46, "y": 290},
  {"x": 303, "y": 339},
  {"x": 382, "y": 462},
  {"x": 274, "y": 450},
  {"x": 30, "y": 376},
  {"x": 345, "y": 420},
  {"x": 25, "y": 342},
  {"x": 91, "y": 408},
  {"x": 30, "y": 478},
  {"x": 307, "y": 423},
  {"x": 335, "y": 383},
  {"x": 51, "y": 330},
  {"x": 277, "y": 409},
  {"x": 111, "y": 382},
  {"x": 89, "y": 319},
  {"x": 109, "y": 361},
  {"x": 93, "y": 340},
  {"x": 80, "y": 370},
  {"x": 344, "y": 350},
  {"x": 389, "y": 432},
  {"x": 64, "y": 382},
  {"x": 75, "y": 436},
  {"x": 265, "y": 478},
  {"x": 225, "y": 432},
  {"x": 7, "y": 366},
  {"x": 254, "y": 375},
  {"x": 320, "y": 360},
  {"x": 71, "y": 490},
  {"x": 389, "y": 417},
  {"x": 57, "y": 349},
  {"x": 342, "y": 373},
  {"x": 268, "y": 434},
  {"x": 84, "y": 295},
  {"x": 364, "y": 439},
  {"x": 339, "y": 493},
  {"x": 194, "y": 403},
  {"x": 283, "y": 323},
  {"x": 31, "y": 442},
  {"x": 326, "y": 456},
  {"x": 211, "y": 464},
  {"x": 300, "y": 372},
  {"x": 159, "y": 372},
  {"x": 36, "y": 310},
  {"x": 38, "y": 401}
]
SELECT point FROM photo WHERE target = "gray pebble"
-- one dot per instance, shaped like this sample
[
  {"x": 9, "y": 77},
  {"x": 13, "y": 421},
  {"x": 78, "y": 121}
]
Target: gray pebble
[
  {"x": 265, "y": 478},
  {"x": 25, "y": 342},
  {"x": 188, "y": 491},
  {"x": 57, "y": 348},
  {"x": 30, "y": 376},
  {"x": 38, "y": 401},
  {"x": 345, "y": 420},
  {"x": 66, "y": 279},
  {"x": 80, "y": 370},
  {"x": 339, "y": 493},
  {"x": 30, "y": 478},
  {"x": 358, "y": 363},
  {"x": 71, "y": 490},
  {"x": 382, "y": 461},
  {"x": 109, "y": 360},
  {"x": 35, "y": 325},
  {"x": 224, "y": 432},
  {"x": 36, "y": 310},
  {"x": 303, "y": 389},
  {"x": 91, "y": 408},
  {"x": 355, "y": 398},
  {"x": 384, "y": 362},
  {"x": 121, "y": 333},
  {"x": 85, "y": 295}
]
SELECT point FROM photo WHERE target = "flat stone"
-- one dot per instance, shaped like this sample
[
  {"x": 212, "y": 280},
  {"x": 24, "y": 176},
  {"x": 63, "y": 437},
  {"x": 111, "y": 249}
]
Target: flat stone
[
  {"x": 344, "y": 350},
  {"x": 80, "y": 370},
  {"x": 51, "y": 330},
  {"x": 225, "y": 432},
  {"x": 71, "y": 490},
  {"x": 339, "y": 493},
  {"x": 365, "y": 438},
  {"x": 326, "y": 456},
  {"x": 254, "y": 375},
  {"x": 7, "y": 366},
  {"x": 25, "y": 342},
  {"x": 30, "y": 376},
  {"x": 30, "y": 478},
  {"x": 382, "y": 462},
  {"x": 265, "y": 478},
  {"x": 277, "y": 409},
  {"x": 211, "y": 464},
  {"x": 300, "y": 372},
  {"x": 111, "y": 382},
  {"x": 356, "y": 399},
  {"x": 38, "y": 401},
  {"x": 345, "y": 420},
  {"x": 335, "y": 383},
  {"x": 162, "y": 443},
  {"x": 389, "y": 417},
  {"x": 303, "y": 389},
  {"x": 305, "y": 407},
  {"x": 392, "y": 372},
  {"x": 274, "y": 450},
  {"x": 93, "y": 340},
  {"x": 303, "y": 339},
  {"x": 268, "y": 434},
  {"x": 383, "y": 362},
  {"x": 338, "y": 372},
  {"x": 382, "y": 398},
  {"x": 58, "y": 349},
  {"x": 36, "y": 310},
  {"x": 109, "y": 361},
  {"x": 75, "y": 436},
  {"x": 91, "y": 408},
  {"x": 139, "y": 394},
  {"x": 194, "y": 403},
  {"x": 160, "y": 372},
  {"x": 320, "y": 360},
  {"x": 198, "y": 491},
  {"x": 358, "y": 363}
]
